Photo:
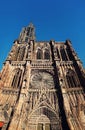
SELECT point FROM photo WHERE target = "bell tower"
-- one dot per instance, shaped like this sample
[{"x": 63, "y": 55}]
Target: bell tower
[{"x": 27, "y": 33}]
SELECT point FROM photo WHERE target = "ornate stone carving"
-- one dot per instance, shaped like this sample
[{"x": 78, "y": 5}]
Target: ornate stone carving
[
  {"x": 42, "y": 79},
  {"x": 46, "y": 89}
]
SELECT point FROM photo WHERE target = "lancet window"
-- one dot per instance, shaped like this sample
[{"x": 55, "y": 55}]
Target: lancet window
[
  {"x": 46, "y": 54},
  {"x": 15, "y": 52},
  {"x": 39, "y": 54},
  {"x": 21, "y": 53},
  {"x": 69, "y": 53},
  {"x": 57, "y": 53},
  {"x": 63, "y": 54},
  {"x": 71, "y": 79},
  {"x": 16, "y": 78}
]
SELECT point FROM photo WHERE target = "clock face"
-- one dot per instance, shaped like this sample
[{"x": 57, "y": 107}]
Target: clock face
[{"x": 42, "y": 79}]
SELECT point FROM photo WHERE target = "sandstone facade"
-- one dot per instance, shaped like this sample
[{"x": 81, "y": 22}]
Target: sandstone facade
[{"x": 42, "y": 86}]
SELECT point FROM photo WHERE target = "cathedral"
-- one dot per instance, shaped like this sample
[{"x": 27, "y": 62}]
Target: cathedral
[{"x": 42, "y": 85}]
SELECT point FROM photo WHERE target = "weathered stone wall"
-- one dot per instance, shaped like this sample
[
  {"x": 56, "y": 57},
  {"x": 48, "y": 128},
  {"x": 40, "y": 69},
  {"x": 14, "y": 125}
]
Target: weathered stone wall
[{"x": 42, "y": 86}]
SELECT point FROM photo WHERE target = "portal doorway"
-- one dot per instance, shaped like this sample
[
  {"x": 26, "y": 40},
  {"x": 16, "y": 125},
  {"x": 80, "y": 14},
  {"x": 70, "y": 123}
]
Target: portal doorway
[
  {"x": 43, "y": 126},
  {"x": 43, "y": 123}
]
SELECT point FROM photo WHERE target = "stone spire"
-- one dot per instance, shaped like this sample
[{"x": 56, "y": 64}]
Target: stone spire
[{"x": 27, "y": 33}]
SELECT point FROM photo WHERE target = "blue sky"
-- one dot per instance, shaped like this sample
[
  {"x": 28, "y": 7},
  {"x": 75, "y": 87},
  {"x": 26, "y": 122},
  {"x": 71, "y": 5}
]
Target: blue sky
[{"x": 53, "y": 19}]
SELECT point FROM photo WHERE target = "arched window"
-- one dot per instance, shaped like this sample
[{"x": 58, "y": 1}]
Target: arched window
[
  {"x": 46, "y": 54},
  {"x": 69, "y": 53},
  {"x": 39, "y": 54},
  {"x": 57, "y": 53},
  {"x": 21, "y": 53},
  {"x": 16, "y": 78},
  {"x": 71, "y": 79},
  {"x": 15, "y": 52},
  {"x": 63, "y": 54}
]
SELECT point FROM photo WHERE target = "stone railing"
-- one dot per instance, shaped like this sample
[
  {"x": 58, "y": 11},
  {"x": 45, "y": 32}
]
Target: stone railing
[{"x": 42, "y": 63}]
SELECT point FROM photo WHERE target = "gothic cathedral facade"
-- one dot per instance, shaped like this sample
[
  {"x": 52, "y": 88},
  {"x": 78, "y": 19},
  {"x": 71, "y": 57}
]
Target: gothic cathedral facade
[{"x": 42, "y": 86}]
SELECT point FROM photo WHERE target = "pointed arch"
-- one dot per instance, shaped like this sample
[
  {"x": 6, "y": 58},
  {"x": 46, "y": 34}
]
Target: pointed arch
[
  {"x": 57, "y": 50},
  {"x": 16, "y": 78},
  {"x": 46, "y": 54},
  {"x": 46, "y": 119},
  {"x": 63, "y": 54},
  {"x": 43, "y": 123},
  {"x": 39, "y": 54},
  {"x": 15, "y": 52},
  {"x": 21, "y": 53},
  {"x": 71, "y": 79}
]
